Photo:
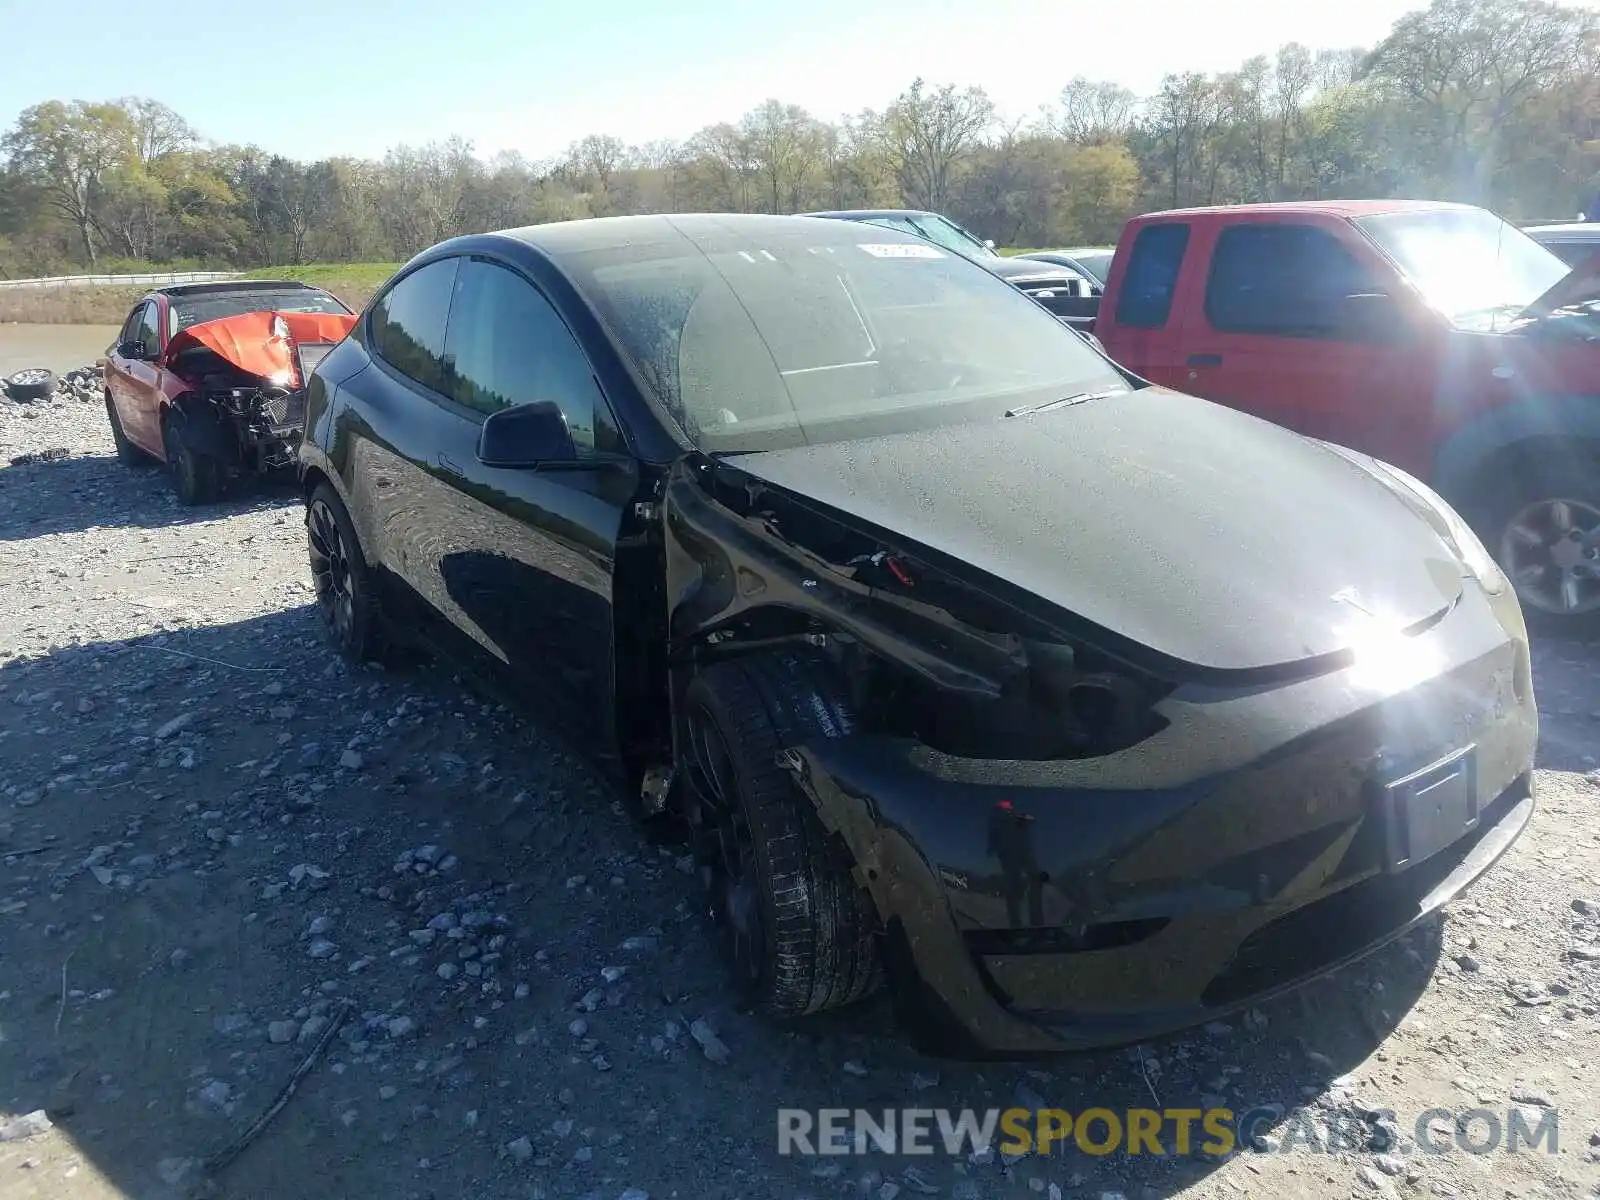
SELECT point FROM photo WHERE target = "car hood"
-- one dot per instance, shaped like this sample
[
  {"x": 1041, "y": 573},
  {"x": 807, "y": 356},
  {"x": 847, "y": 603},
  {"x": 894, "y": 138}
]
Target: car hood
[
  {"x": 1208, "y": 536},
  {"x": 1578, "y": 286},
  {"x": 1026, "y": 270},
  {"x": 248, "y": 340}
]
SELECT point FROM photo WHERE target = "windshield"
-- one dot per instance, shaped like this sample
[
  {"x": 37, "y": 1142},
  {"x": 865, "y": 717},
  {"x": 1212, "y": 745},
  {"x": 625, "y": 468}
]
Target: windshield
[
  {"x": 938, "y": 231},
  {"x": 1467, "y": 262},
  {"x": 1098, "y": 265},
  {"x": 806, "y": 340},
  {"x": 185, "y": 311}
]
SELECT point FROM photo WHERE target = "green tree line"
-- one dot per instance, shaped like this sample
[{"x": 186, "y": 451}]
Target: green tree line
[{"x": 1490, "y": 101}]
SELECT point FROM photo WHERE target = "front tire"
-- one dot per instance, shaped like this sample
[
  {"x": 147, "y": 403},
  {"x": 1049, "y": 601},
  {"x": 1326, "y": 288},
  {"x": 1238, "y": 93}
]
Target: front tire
[
  {"x": 196, "y": 476},
  {"x": 798, "y": 933},
  {"x": 347, "y": 596},
  {"x": 1542, "y": 524}
]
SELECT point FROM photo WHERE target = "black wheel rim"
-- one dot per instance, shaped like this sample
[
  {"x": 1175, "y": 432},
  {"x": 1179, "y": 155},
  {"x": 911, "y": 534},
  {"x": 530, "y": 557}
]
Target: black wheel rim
[
  {"x": 179, "y": 461},
  {"x": 725, "y": 850},
  {"x": 330, "y": 571}
]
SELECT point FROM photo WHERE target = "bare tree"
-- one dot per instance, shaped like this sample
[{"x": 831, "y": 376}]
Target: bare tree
[
  {"x": 1092, "y": 112},
  {"x": 69, "y": 150},
  {"x": 930, "y": 133},
  {"x": 786, "y": 147},
  {"x": 1467, "y": 66}
]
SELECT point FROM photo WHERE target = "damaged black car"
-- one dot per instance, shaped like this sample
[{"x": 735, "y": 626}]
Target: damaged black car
[{"x": 1071, "y": 709}]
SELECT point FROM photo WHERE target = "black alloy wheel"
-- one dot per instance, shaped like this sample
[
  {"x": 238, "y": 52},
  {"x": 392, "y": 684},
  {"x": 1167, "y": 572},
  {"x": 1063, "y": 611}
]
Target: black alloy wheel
[
  {"x": 798, "y": 934},
  {"x": 347, "y": 597},
  {"x": 725, "y": 851}
]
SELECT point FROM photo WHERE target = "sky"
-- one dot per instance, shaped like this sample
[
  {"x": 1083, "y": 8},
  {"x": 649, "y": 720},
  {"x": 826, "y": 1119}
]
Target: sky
[{"x": 355, "y": 77}]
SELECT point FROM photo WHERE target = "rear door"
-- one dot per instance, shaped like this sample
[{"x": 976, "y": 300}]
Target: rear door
[
  {"x": 401, "y": 506},
  {"x": 1269, "y": 335},
  {"x": 1141, "y": 326}
]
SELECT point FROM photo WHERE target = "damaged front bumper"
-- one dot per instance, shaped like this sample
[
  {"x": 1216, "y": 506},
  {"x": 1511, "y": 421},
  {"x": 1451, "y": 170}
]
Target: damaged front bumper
[{"x": 1262, "y": 838}]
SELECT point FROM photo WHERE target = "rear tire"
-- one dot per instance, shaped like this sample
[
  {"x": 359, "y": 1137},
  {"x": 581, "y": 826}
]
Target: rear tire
[
  {"x": 798, "y": 934},
  {"x": 1541, "y": 522},
  {"x": 347, "y": 595},
  {"x": 127, "y": 453},
  {"x": 196, "y": 476}
]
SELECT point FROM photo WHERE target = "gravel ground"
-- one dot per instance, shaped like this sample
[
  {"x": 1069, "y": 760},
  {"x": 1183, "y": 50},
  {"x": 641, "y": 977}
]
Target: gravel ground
[{"x": 220, "y": 850}]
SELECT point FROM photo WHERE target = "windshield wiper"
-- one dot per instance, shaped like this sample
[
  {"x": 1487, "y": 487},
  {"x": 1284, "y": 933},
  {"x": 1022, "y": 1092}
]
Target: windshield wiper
[{"x": 1078, "y": 398}]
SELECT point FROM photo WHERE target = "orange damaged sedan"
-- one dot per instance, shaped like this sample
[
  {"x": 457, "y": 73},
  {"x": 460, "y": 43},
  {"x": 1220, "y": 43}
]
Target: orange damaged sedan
[{"x": 209, "y": 378}]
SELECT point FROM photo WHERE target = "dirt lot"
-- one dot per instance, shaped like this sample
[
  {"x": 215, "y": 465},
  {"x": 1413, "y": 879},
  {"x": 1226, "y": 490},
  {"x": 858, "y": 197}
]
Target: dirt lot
[{"x": 217, "y": 844}]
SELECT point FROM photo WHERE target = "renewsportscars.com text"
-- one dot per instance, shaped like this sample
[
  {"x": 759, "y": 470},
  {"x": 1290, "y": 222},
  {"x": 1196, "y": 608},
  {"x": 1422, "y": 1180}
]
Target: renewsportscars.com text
[{"x": 1181, "y": 1132}]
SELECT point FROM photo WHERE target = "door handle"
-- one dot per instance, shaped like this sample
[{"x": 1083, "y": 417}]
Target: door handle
[
  {"x": 447, "y": 464},
  {"x": 1205, "y": 360}
]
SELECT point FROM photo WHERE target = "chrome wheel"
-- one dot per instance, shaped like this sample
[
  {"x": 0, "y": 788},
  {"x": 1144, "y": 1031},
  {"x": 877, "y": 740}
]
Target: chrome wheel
[
  {"x": 725, "y": 849},
  {"x": 1551, "y": 551},
  {"x": 330, "y": 571},
  {"x": 30, "y": 377}
]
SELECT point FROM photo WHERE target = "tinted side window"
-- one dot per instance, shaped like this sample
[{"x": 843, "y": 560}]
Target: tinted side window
[
  {"x": 1152, "y": 276},
  {"x": 509, "y": 346},
  {"x": 150, "y": 328},
  {"x": 408, "y": 323},
  {"x": 135, "y": 322},
  {"x": 1288, "y": 280}
]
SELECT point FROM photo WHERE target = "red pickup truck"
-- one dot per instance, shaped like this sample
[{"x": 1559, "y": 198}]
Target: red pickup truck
[{"x": 1436, "y": 337}]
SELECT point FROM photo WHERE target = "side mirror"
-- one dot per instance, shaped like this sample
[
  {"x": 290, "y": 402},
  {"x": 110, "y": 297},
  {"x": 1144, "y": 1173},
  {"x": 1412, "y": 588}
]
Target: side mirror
[
  {"x": 1373, "y": 317},
  {"x": 131, "y": 349},
  {"x": 526, "y": 435}
]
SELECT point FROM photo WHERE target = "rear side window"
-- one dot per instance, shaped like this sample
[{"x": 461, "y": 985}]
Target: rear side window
[
  {"x": 408, "y": 324},
  {"x": 1151, "y": 279},
  {"x": 1285, "y": 280},
  {"x": 509, "y": 346}
]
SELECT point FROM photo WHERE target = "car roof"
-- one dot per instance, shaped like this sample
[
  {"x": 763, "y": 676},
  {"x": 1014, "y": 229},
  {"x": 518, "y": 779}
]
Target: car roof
[
  {"x": 223, "y": 287},
  {"x": 851, "y": 214},
  {"x": 705, "y": 230},
  {"x": 1332, "y": 208}
]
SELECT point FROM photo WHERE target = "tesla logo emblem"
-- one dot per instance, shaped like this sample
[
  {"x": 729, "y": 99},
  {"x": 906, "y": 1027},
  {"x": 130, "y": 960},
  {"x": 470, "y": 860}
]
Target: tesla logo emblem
[{"x": 1351, "y": 597}]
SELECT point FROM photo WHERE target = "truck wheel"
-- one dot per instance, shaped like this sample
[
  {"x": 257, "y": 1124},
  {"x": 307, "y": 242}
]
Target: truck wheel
[
  {"x": 127, "y": 453},
  {"x": 196, "y": 476},
  {"x": 797, "y": 933},
  {"x": 1542, "y": 524},
  {"x": 347, "y": 595}
]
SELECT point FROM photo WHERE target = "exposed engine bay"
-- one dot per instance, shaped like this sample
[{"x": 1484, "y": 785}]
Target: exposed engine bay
[
  {"x": 246, "y": 377},
  {"x": 928, "y": 653}
]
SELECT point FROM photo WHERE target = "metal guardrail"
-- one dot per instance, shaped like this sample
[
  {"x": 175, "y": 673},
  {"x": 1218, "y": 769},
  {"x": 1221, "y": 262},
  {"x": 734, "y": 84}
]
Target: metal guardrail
[{"x": 149, "y": 279}]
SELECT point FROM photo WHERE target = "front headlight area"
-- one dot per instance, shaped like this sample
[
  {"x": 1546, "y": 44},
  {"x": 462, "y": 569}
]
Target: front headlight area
[{"x": 1432, "y": 507}]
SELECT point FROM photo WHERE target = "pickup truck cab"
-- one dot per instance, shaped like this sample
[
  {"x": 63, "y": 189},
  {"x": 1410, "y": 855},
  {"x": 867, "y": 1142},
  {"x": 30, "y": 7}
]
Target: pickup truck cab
[{"x": 1436, "y": 337}]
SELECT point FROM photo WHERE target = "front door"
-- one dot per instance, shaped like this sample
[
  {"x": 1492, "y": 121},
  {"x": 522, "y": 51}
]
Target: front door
[
  {"x": 529, "y": 580},
  {"x": 1272, "y": 337}
]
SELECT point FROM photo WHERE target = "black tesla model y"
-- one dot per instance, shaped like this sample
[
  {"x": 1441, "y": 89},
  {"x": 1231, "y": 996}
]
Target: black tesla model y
[{"x": 1073, "y": 709}]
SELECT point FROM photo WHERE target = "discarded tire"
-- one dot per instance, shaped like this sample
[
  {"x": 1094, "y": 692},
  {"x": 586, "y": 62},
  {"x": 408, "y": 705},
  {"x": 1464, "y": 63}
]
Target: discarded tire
[{"x": 35, "y": 383}]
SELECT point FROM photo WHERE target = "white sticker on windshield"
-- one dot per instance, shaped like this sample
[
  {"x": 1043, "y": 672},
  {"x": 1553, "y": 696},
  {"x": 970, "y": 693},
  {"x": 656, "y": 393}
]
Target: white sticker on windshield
[{"x": 900, "y": 250}]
